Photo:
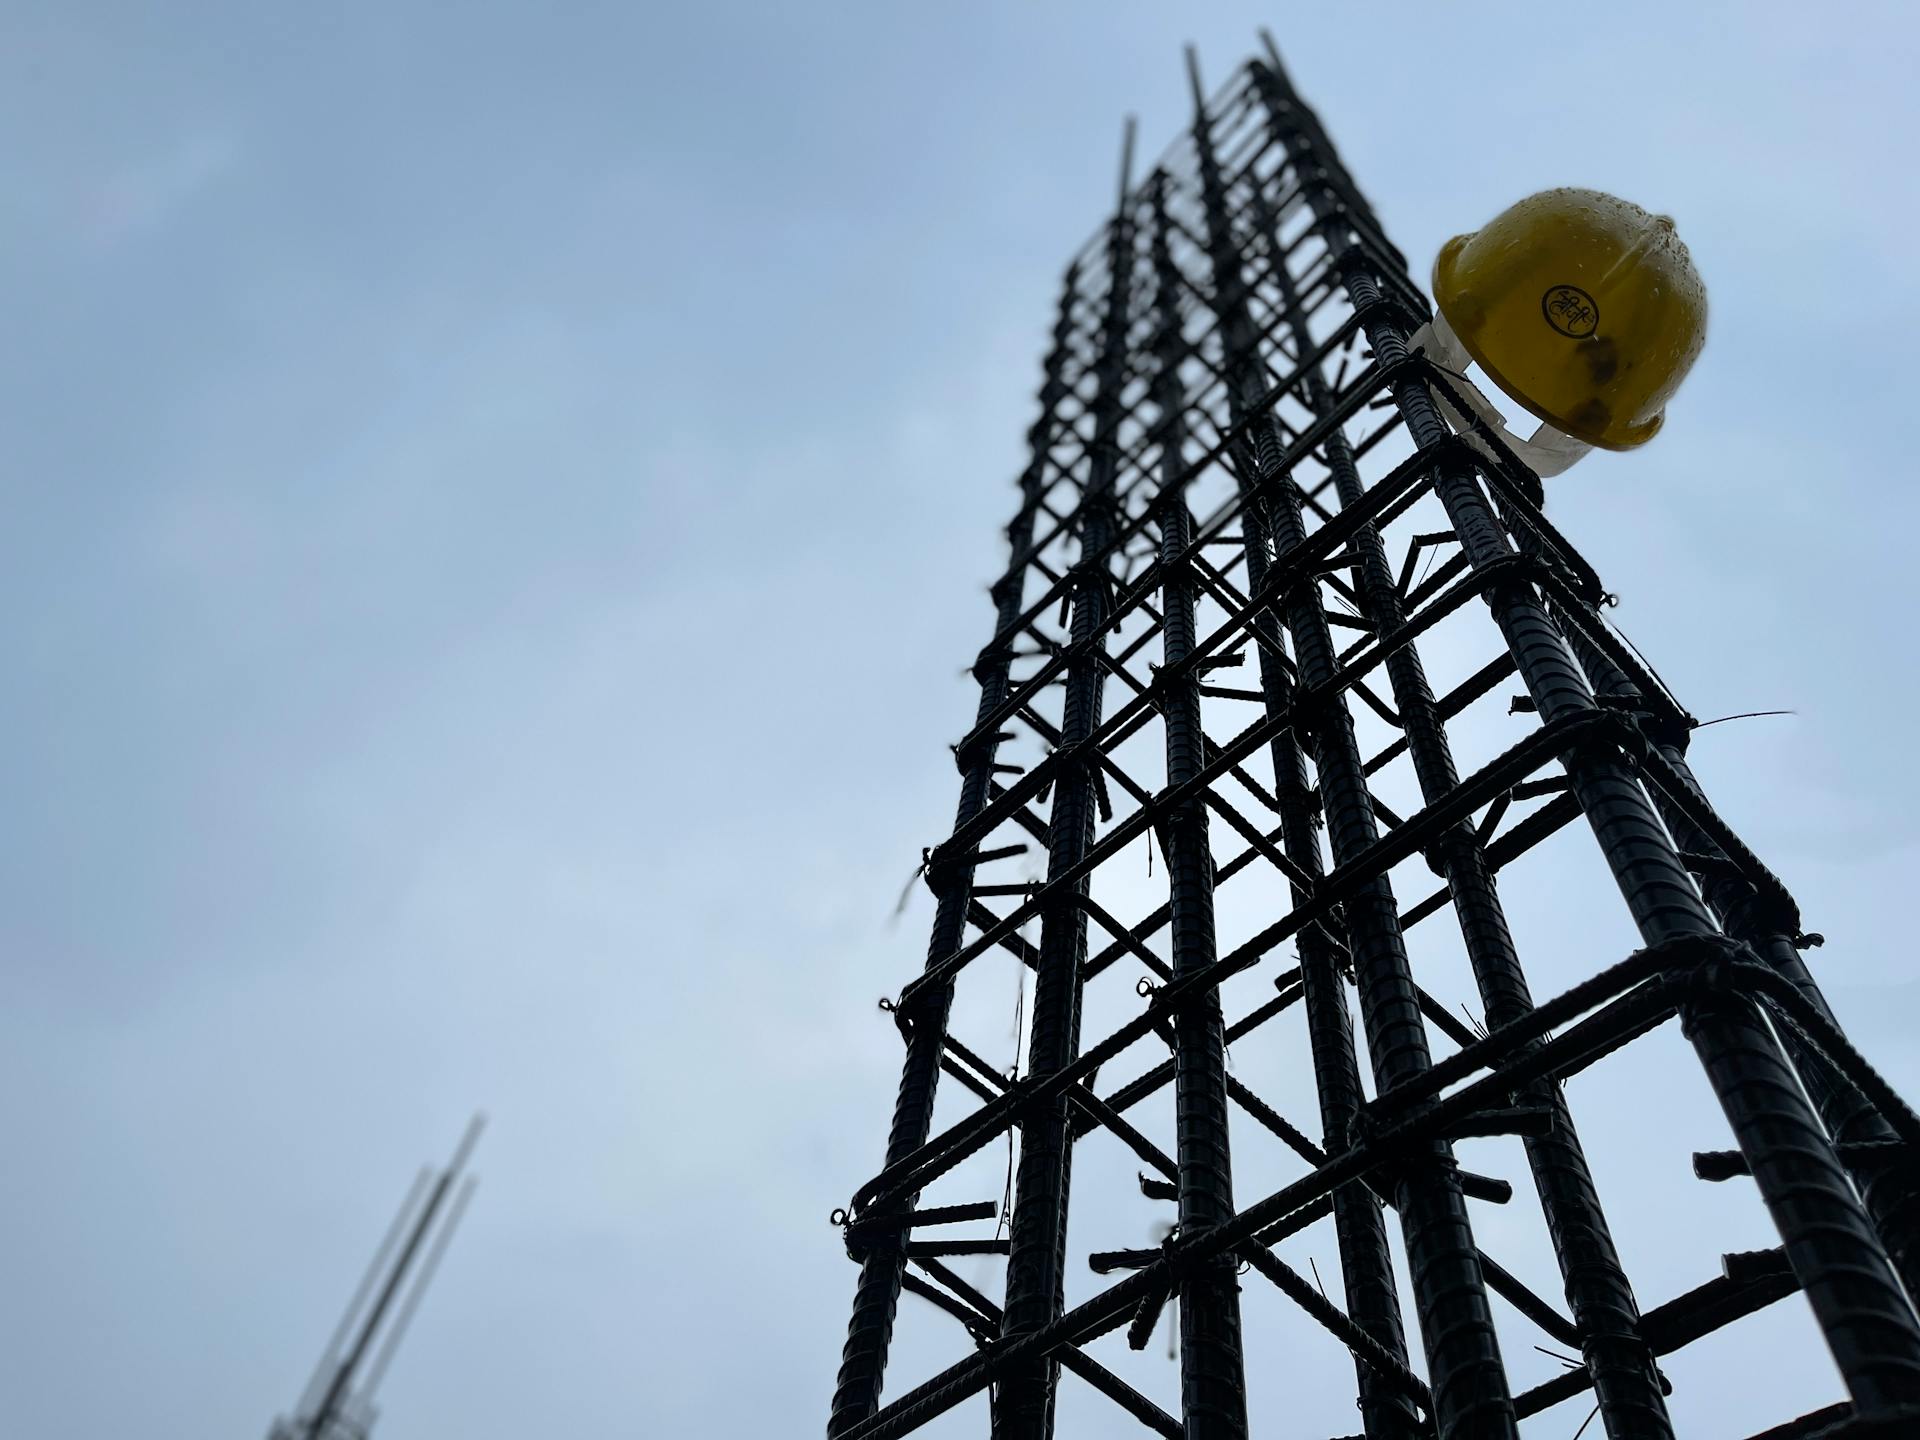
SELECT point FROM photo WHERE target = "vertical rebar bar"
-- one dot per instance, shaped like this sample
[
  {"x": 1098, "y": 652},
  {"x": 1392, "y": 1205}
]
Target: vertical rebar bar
[
  {"x": 863, "y": 1360},
  {"x": 1212, "y": 1373},
  {"x": 1037, "y": 1257},
  {"x": 1887, "y": 1185}
]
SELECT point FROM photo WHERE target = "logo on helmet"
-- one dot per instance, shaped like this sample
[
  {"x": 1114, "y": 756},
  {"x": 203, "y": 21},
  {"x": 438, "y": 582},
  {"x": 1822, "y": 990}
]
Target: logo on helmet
[{"x": 1571, "y": 311}]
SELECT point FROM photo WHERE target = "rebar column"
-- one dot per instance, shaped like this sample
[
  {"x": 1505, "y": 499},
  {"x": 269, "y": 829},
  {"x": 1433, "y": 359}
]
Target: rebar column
[
  {"x": 1037, "y": 1257},
  {"x": 1832, "y": 1246},
  {"x": 1626, "y": 1383},
  {"x": 1212, "y": 1378},
  {"x": 1463, "y": 1353},
  {"x": 863, "y": 1360}
]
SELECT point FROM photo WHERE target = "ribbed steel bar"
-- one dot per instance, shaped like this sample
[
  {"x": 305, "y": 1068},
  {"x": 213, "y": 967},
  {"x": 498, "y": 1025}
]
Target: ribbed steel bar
[
  {"x": 863, "y": 1361},
  {"x": 1023, "y": 1405},
  {"x": 1366, "y": 1266},
  {"x": 1836, "y": 1253},
  {"x": 1888, "y": 1185},
  {"x": 1212, "y": 1375},
  {"x": 1626, "y": 1383},
  {"x": 1463, "y": 1353}
]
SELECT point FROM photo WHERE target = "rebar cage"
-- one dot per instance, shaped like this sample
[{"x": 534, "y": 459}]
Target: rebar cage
[{"x": 1233, "y": 739}]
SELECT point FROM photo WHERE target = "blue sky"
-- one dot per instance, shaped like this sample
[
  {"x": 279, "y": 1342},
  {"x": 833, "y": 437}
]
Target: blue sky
[{"x": 498, "y": 502}]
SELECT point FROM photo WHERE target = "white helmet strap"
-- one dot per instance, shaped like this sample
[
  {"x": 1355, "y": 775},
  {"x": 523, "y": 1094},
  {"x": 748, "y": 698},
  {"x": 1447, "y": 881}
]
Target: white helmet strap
[{"x": 1548, "y": 451}]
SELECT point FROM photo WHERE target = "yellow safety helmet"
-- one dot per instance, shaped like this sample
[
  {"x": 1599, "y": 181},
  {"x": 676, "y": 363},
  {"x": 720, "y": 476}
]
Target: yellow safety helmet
[{"x": 1581, "y": 306}]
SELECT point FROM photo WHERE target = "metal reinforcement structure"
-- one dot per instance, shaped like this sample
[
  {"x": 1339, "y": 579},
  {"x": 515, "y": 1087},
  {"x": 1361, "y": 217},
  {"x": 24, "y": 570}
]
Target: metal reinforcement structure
[
  {"x": 1240, "y": 466},
  {"x": 339, "y": 1401}
]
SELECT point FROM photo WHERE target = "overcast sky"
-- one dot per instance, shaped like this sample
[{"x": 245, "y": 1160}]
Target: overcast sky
[{"x": 497, "y": 502}]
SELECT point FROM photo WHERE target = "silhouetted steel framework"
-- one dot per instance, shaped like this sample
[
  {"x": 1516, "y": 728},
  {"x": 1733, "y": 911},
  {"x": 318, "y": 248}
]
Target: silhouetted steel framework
[
  {"x": 338, "y": 1403},
  {"x": 1238, "y": 333}
]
